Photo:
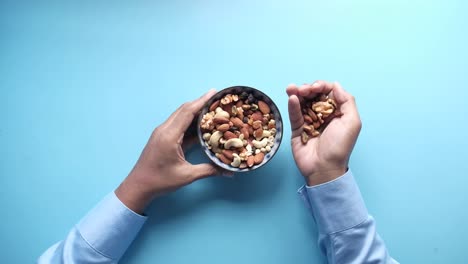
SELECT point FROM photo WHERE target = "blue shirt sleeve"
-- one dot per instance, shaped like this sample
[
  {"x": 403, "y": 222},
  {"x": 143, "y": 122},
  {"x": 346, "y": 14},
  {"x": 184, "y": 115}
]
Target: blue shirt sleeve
[
  {"x": 102, "y": 236},
  {"x": 347, "y": 233}
]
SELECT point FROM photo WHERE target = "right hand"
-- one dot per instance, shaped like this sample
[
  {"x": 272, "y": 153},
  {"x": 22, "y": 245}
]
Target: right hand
[
  {"x": 162, "y": 167},
  {"x": 323, "y": 158}
]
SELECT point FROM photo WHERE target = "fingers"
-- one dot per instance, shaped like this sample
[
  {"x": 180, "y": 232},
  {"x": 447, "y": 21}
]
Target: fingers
[
  {"x": 310, "y": 90},
  {"x": 292, "y": 89},
  {"x": 181, "y": 119},
  {"x": 334, "y": 89},
  {"x": 295, "y": 115},
  {"x": 296, "y": 93},
  {"x": 339, "y": 94},
  {"x": 346, "y": 102},
  {"x": 318, "y": 87}
]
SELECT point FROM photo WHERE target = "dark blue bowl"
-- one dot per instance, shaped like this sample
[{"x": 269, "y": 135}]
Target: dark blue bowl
[{"x": 259, "y": 95}]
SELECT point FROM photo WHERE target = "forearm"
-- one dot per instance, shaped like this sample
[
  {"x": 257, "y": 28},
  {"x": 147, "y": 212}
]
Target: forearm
[
  {"x": 102, "y": 236},
  {"x": 347, "y": 232}
]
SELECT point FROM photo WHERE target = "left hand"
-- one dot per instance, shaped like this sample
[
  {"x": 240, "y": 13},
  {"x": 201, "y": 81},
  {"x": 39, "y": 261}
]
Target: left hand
[{"x": 162, "y": 167}]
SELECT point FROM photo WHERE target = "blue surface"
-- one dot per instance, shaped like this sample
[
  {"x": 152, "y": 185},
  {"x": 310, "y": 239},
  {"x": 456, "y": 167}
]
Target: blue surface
[{"x": 82, "y": 85}]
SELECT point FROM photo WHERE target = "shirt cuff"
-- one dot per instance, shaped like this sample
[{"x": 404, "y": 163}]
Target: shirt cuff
[
  {"x": 110, "y": 227},
  {"x": 336, "y": 205}
]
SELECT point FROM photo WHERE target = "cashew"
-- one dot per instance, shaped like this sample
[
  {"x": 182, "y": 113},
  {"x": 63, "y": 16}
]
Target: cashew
[
  {"x": 206, "y": 136},
  {"x": 257, "y": 151},
  {"x": 263, "y": 150},
  {"x": 214, "y": 139},
  {"x": 271, "y": 141},
  {"x": 243, "y": 155},
  {"x": 249, "y": 148},
  {"x": 260, "y": 144},
  {"x": 222, "y": 114},
  {"x": 216, "y": 150},
  {"x": 268, "y": 148},
  {"x": 266, "y": 134},
  {"x": 237, "y": 160},
  {"x": 233, "y": 143}
]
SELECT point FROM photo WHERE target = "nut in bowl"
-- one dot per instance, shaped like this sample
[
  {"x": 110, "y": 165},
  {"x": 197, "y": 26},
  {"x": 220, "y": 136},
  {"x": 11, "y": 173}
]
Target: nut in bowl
[{"x": 240, "y": 129}]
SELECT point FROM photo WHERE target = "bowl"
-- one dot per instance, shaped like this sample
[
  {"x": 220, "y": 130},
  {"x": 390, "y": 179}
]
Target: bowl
[{"x": 271, "y": 132}]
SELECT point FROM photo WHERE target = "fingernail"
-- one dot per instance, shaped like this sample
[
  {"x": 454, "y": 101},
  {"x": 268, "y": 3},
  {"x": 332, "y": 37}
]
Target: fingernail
[{"x": 316, "y": 84}]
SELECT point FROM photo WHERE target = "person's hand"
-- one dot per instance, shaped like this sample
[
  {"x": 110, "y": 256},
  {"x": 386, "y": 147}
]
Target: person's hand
[
  {"x": 162, "y": 167},
  {"x": 323, "y": 158}
]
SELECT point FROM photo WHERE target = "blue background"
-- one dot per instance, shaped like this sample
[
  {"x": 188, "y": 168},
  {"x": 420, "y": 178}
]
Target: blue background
[{"x": 83, "y": 83}]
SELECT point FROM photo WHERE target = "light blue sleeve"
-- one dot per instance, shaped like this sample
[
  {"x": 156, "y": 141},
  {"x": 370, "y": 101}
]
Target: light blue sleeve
[
  {"x": 102, "y": 236},
  {"x": 347, "y": 233}
]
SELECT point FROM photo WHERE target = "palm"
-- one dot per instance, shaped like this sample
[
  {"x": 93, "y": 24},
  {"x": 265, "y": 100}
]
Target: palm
[{"x": 327, "y": 148}]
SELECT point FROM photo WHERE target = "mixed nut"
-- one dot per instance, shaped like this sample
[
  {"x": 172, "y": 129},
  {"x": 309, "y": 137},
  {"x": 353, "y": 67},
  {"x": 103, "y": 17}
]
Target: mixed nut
[
  {"x": 317, "y": 113},
  {"x": 240, "y": 129}
]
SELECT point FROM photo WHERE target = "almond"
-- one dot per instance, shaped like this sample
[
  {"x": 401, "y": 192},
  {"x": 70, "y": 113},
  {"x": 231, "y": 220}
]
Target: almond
[
  {"x": 223, "y": 158},
  {"x": 214, "y": 105},
  {"x": 316, "y": 124},
  {"x": 258, "y": 158},
  {"x": 223, "y": 128},
  {"x": 245, "y": 130},
  {"x": 228, "y": 108},
  {"x": 312, "y": 114},
  {"x": 228, "y": 154},
  {"x": 250, "y": 161},
  {"x": 220, "y": 120},
  {"x": 263, "y": 107},
  {"x": 237, "y": 122},
  {"x": 228, "y": 135},
  {"x": 308, "y": 119},
  {"x": 258, "y": 133},
  {"x": 251, "y": 130},
  {"x": 257, "y": 115}
]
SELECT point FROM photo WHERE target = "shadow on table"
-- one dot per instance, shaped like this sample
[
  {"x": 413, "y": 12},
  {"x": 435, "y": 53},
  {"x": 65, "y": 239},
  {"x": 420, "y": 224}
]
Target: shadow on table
[{"x": 257, "y": 186}]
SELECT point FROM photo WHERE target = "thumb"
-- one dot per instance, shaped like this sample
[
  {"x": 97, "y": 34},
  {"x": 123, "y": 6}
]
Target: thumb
[
  {"x": 204, "y": 170},
  {"x": 295, "y": 116}
]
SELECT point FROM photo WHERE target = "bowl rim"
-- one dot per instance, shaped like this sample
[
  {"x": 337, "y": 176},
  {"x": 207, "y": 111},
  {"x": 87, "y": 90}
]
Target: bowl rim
[{"x": 210, "y": 154}]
